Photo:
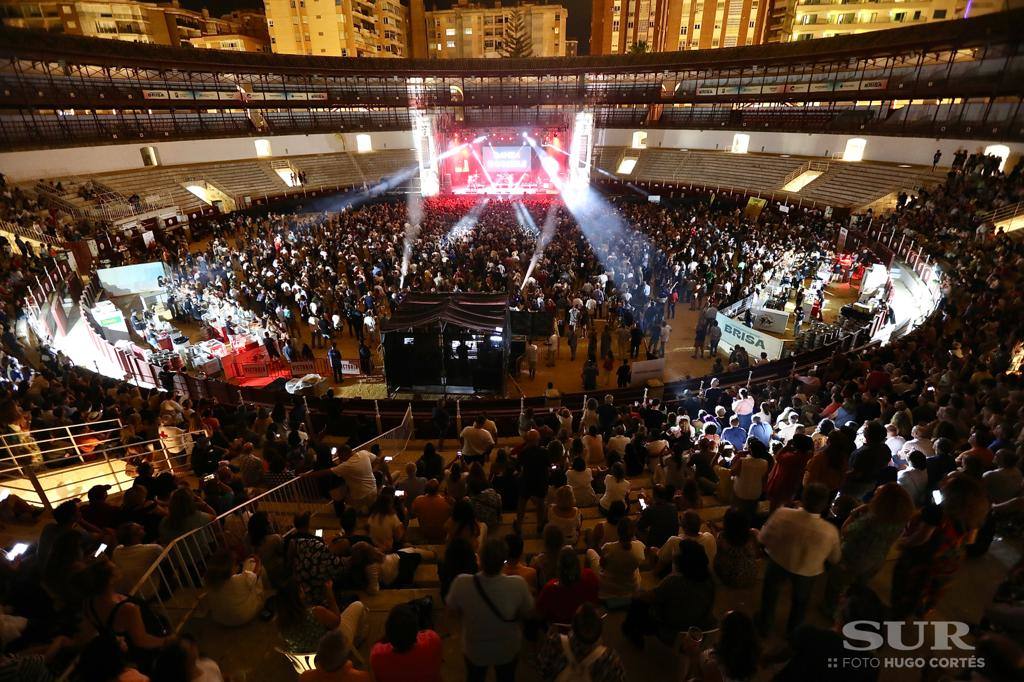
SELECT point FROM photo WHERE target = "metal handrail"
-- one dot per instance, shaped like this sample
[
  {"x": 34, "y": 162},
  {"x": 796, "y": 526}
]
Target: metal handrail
[
  {"x": 1003, "y": 212},
  {"x": 70, "y": 426},
  {"x": 28, "y": 233},
  {"x": 33, "y": 472},
  {"x": 183, "y": 561}
]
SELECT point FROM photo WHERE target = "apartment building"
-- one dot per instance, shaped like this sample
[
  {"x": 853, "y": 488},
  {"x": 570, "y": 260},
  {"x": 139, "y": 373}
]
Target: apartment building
[
  {"x": 468, "y": 31},
  {"x": 142, "y": 22},
  {"x": 339, "y": 28},
  {"x": 791, "y": 20},
  {"x": 626, "y": 26},
  {"x": 235, "y": 42}
]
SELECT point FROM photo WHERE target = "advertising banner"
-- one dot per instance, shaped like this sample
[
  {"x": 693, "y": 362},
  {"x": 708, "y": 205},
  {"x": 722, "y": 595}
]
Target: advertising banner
[{"x": 756, "y": 342}]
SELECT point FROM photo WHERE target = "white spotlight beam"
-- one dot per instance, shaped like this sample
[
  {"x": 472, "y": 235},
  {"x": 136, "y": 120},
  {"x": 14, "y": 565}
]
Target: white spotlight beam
[
  {"x": 464, "y": 228},
  {"x": 547, "y": 233},
  {"x": 482, "y": 166},
  {"x": 551, "y": 169}
]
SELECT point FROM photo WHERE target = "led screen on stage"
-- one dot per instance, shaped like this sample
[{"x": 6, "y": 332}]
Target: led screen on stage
[{"x": 507, "y": 159}]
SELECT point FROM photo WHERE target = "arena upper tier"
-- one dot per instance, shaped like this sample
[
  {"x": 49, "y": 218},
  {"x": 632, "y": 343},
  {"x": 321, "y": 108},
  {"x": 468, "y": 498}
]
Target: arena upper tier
[{"x": 952, "y": 79}]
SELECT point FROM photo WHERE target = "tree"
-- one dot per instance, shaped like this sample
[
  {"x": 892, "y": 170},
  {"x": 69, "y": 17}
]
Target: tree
[
  {"x": 516, "y": 41},
  {"x": 638, "y": 48}
]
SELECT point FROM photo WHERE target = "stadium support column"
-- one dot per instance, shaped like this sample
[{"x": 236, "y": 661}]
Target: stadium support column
[
  {"x": 580, "y": 150},
  {"x": 424, "y": 139}
]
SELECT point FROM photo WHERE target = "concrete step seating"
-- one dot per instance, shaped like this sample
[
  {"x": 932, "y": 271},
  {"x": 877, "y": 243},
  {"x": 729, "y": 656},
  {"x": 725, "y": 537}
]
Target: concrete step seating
[
  {"x": 660, "y": 165},
  {"x": 607, "y": 158},
  {"x": 243, "y": 178},
  {"x": 379, "y": 164},
  {"x": 426, "y": 575},
  {"x": 156, "y": 180},
  {"x": 755, "y": 172},
  {"x": 426, "y": 582},
  {"x": 859, "y": 184},
  {"x": 329, "y": 170},
  {"x": 255, "y": 178}
]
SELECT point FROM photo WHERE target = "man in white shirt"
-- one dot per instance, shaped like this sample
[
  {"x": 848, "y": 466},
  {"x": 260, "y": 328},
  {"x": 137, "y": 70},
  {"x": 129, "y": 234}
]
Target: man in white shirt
[
  {"x": 134, "y": 558},
  {"x": 798, "y": 542},
  {"x": 476, "y": 441},
  {"x": 918, "y": 441},
  {"x": 895, "y": 443},
  {"x": 914, "y": 479},
  {"x": 690, "y": 529},
  {"x": 666, "y": 333},
  {"x": 356, "y": 468},
  {"x": 492, "y": 606},
  {"x": 618, "y": 442}
]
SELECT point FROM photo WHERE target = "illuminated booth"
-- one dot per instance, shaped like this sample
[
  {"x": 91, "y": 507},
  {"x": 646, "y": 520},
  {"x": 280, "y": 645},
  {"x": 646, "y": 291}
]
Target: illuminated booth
[{"x": 447, "y": 343}]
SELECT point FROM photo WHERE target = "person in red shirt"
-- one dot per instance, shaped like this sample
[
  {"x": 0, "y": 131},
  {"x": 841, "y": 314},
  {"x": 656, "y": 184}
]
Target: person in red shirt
[
  {"x": 562, "y": 596},
  {"x": 406, "y": 654},
  {"x": 785, "y": 477}
]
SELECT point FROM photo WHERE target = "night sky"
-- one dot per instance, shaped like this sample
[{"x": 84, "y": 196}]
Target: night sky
[{"x": 578, "y": 28}]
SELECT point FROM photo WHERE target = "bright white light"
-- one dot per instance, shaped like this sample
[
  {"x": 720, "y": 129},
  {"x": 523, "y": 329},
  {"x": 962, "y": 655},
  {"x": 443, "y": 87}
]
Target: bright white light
[
  {"x": 639, "y": 140},
  {"x": 16, "y": 551},
  {"x": 855, "y": 149},
  {"x": 262, "y": 148},
  {"x": 464, "y": 228},
  {"x": 426, "y": 152},
  {"x": 287, "y": 176},
  {"x": 1000, "y": 150},
  {"x": 480, "y": 139},
  {"x": 364, "y": 143},
  {"x": 550, "y": 165},
  {"x": 580, "y": 150},
  {"x": 626, "y": 166},
  {"x": 740, "y": 143}
]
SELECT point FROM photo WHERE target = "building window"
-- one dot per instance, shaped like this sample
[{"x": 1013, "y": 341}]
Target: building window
[
  {"x": 939, "y": 14},
  {"x": 364, "y": 143},
  {"x": 451, "y": 43},
  {"x": 696, "y": 27},
  {"x": 449, "y": 31},
  {"x": 149, "y": 156},
  {"x": 468, "y": 31},
  {"x": 270, "y": 23},
  {"x": 262, "y": 148},
  {"x": 639, "y": 140},
  {"x": 854, "y": 149}
]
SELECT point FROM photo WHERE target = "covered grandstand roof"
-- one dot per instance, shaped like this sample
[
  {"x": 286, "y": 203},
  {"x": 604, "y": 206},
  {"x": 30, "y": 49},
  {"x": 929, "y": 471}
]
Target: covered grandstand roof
[{"x": 985, "y": 29}]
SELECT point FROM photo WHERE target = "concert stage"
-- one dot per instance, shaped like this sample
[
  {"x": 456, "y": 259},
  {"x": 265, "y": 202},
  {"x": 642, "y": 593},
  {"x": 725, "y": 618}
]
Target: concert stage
[
  {"x": 511, "y": 190},
  {"x": 505, "y": 162}
]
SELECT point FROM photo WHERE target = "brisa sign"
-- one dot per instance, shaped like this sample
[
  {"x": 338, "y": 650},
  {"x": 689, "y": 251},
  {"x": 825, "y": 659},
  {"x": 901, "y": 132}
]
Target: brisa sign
[{"x": 756, "y": 342}]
